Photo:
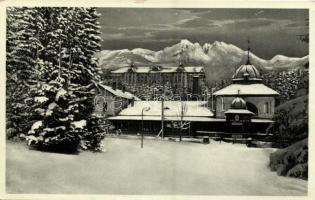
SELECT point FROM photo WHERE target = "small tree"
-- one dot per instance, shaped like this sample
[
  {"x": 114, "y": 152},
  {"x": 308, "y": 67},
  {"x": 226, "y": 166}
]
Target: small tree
[{"x": 181, "y": 124}]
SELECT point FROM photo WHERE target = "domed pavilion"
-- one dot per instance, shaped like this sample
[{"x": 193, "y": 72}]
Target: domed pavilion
[{"x": 247, "y": 85}]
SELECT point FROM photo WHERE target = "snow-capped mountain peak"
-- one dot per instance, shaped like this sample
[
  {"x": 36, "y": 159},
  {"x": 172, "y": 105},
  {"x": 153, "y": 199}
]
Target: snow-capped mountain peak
[
  {"x": 186, "y": 42},
  {"x": 140, "y": 51},
  {"x": 218, "y": 56},
  {"x": 217, "y": 43},
  {"x": 282, "y": 58}
]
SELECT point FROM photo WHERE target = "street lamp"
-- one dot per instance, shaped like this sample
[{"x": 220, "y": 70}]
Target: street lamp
[
  {"x": 154, "y": 93},
  {"x": 212, "y": 90},
  {"x": 143, "y": 109},
  {"x": 162, "y": 116}
]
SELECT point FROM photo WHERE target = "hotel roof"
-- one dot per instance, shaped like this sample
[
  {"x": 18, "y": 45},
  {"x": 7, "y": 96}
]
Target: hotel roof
[
  {"x": 161, "y": 69},
  {"x": 246, "y": 89}
]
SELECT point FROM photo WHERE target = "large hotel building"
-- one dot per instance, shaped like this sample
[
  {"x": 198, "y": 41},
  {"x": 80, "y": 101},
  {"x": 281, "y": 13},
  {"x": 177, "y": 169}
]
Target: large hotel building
[{"x": 180, "y": 76}]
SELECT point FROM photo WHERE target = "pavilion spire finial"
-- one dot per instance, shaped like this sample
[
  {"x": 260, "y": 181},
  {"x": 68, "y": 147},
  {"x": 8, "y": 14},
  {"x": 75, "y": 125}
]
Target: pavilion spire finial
[{"x": 248, "y": 48}]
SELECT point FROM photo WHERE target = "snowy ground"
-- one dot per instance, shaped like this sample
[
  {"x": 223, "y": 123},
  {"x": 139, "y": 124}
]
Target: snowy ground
[{"x": 161, "y": 167}]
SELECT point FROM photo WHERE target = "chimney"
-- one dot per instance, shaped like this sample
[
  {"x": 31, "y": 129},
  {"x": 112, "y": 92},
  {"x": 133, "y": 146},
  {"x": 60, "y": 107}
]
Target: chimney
[{"x": 132, "y": 101}]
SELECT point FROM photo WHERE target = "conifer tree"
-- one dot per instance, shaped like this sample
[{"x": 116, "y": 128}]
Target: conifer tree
[
  {"x": 63, "y": 74},
  {"x": 23, "y": 28}
]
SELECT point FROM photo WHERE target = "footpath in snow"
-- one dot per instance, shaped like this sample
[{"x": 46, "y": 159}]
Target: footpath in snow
[{"x": 161, "y": 167}]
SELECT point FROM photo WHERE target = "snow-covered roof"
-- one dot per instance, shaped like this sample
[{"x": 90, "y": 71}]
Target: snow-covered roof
[
  {"x": 119, "y": 93},
  {"x": 239, "y": 111},
  {"x": 193, "y": 69},
  {"x": 142, "y": 69},
  {"x": 171, "y": 109},
  {"x": 120, "y": 70},
  {"x": 158, "y": 118},
  {"x": 246, "y": 89},
  {"x": 163, "y": 69},
  {"x": 262, "y": 121},
  {"x": 191, "y": 119}
]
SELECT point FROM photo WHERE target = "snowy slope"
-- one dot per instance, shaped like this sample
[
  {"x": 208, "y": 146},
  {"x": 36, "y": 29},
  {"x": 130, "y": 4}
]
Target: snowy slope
[
  {"x": 160, "y": 168},
  {"x": 219, "y": 58}
]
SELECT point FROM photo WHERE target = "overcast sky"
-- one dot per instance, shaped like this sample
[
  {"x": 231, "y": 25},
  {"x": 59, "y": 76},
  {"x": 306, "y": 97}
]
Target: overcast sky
[{"x": 271, "y": 31}]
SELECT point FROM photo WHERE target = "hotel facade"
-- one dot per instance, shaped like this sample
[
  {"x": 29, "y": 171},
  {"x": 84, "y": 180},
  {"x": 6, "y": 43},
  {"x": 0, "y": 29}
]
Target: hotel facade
[{"x": 185, "y": 77}]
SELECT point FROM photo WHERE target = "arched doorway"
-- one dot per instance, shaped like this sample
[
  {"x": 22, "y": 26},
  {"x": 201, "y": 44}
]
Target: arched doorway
[{"x": 251, "y": 107}]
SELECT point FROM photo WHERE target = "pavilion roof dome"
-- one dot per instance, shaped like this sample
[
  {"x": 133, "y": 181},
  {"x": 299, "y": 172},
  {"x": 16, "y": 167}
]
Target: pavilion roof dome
[
  {"x": 247, "y": 72},
  {"x": 238, "y": 103}
]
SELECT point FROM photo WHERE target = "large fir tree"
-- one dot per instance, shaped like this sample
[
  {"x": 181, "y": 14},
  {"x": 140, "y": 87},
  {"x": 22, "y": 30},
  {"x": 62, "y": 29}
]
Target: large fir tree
[{"x": 60, "y": 99}]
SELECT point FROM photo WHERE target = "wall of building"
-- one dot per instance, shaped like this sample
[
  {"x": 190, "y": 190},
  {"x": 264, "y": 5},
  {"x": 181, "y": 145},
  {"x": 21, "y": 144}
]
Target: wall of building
[
  {"x": 264, "y": 104},
  {"x": 105, "y": 103},
  {"x": 176, "y": 79},
  {"x": 214, "y": 129}
]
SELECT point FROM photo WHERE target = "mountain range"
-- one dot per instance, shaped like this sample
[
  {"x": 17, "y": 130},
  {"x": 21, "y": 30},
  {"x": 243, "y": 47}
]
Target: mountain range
[{"x": 219, "y": 58}]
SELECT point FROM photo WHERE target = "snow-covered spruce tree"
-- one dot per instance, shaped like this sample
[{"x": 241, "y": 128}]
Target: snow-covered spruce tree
[
  {"x": 22, "y": 47},
  {"x": 89, "y": 41},
  {"x": 65, "y": 98}
]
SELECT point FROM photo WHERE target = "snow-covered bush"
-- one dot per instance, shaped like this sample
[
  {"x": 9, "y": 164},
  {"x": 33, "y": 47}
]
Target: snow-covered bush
[
  {"x": 291, "y": 161},
  {"x": 291, "y": 120},
  {"x": 53, "y": 131},
  {"x": 92, "y": 138}
]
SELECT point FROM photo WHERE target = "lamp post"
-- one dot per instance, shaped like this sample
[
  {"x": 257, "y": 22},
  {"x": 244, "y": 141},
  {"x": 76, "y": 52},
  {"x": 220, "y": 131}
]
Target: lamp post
[
  {"x": 154, "y": 93},
  {"x": 212, "y": 89},
  {"x": 162, "y": 104},
  {"x": 143, "y": 109}
]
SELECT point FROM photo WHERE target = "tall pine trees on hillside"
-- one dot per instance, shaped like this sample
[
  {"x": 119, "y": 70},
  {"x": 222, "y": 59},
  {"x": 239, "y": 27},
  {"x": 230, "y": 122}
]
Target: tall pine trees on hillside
[{"x": 59, "y": 102}]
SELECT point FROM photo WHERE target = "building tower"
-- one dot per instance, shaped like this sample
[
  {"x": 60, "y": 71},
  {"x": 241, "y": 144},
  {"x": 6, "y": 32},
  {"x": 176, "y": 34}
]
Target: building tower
[{"x": 247, "y": 86}]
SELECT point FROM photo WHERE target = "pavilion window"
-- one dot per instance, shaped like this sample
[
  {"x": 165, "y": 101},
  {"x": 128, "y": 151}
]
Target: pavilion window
[
  {"x": 105, "y": 106},
  {"x": 222, "y": 104},
  {"x": 266, "y": 107}
]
